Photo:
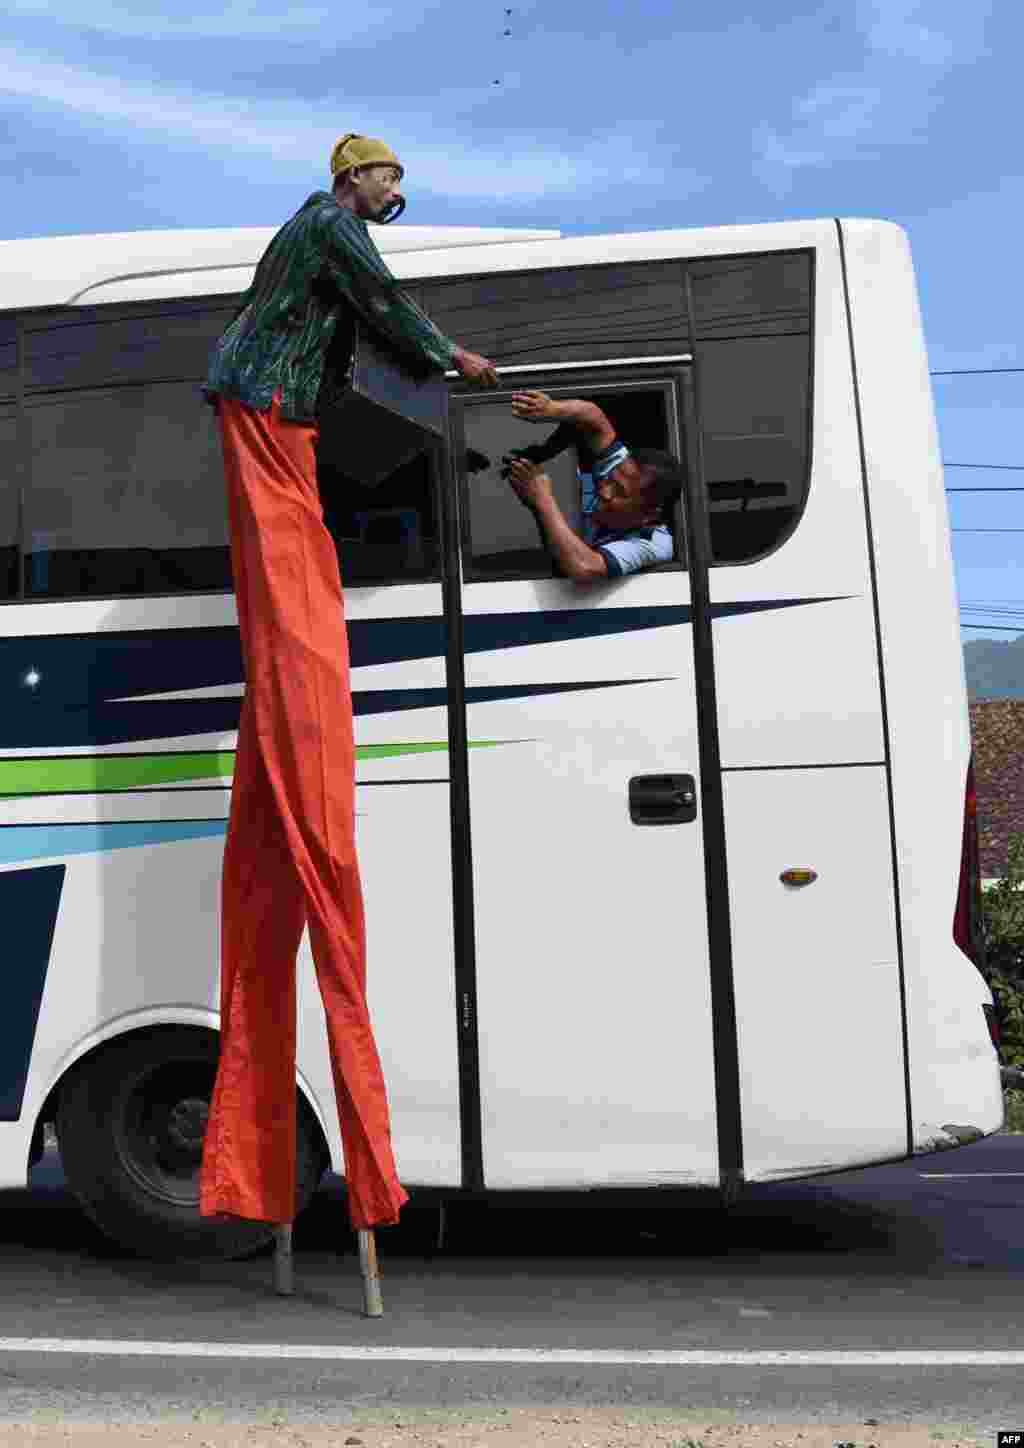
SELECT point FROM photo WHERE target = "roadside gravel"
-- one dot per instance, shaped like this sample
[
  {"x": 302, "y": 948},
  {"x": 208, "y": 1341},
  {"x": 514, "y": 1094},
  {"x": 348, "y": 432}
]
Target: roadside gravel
[{"x": 494, "y": 1428}]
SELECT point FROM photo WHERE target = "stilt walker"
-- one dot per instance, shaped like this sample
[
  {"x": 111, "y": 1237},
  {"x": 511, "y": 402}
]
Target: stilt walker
[{"x": 290, "y": 857}]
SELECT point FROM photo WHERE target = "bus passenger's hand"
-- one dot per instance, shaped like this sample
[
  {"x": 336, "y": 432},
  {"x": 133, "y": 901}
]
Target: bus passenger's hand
[
  {"x": 535, "y": 406},
  {"x": 475, "y": 368},
  {"x": 529, "y": 481}
]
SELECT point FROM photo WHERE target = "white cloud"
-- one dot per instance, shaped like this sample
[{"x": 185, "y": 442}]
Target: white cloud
[
  {"x": 887, "y": 99},
  {"x": 236, "y": 19},
  {"x": 299, "y": 134},
  {"x": 893, "y": 27}
]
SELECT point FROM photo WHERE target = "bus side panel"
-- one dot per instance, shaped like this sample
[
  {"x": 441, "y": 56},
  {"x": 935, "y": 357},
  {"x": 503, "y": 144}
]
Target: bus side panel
[
  {"x": 802, "y": 743},
  {"x": 152, "y": 912},
  {"x": 821, "y": 1049},
  {"x": 596, "y": 1049},
  {"x": 137, "y": 935},
  {"x": 954, "y": 1076}
]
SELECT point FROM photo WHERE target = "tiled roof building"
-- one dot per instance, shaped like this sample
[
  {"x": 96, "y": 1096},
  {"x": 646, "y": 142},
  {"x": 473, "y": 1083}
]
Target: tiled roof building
[{"x": 997, "y": 729}]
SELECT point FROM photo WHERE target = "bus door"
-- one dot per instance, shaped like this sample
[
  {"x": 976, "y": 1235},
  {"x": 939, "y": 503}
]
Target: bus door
[
  {"x": 593, "y": 1004},
  {"x": 800, "y": 732},
  {"x": 388, "y": 544}
]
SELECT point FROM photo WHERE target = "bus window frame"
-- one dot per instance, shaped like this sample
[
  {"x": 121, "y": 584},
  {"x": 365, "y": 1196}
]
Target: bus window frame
[{"x": 593, "y": 382}]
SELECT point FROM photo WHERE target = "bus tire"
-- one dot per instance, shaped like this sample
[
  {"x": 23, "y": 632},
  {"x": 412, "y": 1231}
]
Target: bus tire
[{"x": 130, "y": 1127}]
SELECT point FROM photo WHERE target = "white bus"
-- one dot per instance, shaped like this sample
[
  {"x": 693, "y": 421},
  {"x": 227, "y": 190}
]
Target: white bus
[{"x": 660, "y": 873}]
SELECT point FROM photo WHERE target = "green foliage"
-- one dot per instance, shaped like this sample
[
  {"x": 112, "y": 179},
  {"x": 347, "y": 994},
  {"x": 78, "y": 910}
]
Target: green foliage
[
  {"x": 1003, "y": 927},
  {"x": 1014, "y": 1102}
]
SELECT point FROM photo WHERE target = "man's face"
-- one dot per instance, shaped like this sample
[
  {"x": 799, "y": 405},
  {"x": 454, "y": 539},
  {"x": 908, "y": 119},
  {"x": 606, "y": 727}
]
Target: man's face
[
  {"x": 377, "y": 191},
  {"x": 626, "y": 502}
]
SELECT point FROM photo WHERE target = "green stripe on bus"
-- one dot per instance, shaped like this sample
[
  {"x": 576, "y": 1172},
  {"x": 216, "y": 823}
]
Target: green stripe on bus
[{"x": 94, "y": 773}]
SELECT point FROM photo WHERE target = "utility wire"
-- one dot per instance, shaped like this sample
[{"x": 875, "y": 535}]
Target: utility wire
[
  {"x": 986, "y": 530},
  {"x": 986, "y": 490},
  {"x": 975, "y": 371},
  {"x": 994, "y": 467}
]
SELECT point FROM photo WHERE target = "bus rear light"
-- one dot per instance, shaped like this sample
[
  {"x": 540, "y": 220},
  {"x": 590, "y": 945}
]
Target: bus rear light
[{"x": 967, "y": 915}]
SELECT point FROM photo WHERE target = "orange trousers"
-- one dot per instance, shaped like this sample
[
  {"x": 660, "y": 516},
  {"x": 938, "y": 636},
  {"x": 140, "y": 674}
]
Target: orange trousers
[{"x": 290, "y": 855}]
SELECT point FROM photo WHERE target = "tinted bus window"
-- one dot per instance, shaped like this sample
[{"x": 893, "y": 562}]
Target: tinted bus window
[
  {"x": 753, "y": 317},
  {"x": 125, "y": 492},
  {"x": 386, "y": 533},
  {"x": 10, "y": 461},
  {"x": 569, "y": 315},
  {"x": 10, "y": 477},
  {"x": 126, "y": 479}
]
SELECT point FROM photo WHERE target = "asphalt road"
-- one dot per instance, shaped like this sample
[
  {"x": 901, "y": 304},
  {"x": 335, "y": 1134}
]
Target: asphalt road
[{"x": 926, "y": 1255}]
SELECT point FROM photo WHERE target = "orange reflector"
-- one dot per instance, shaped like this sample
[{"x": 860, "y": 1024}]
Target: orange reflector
[{"x": 798, "y": 877}]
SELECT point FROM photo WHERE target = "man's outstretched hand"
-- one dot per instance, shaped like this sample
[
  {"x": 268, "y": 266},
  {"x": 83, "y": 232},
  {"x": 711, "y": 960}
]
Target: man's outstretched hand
[
  {"x": 475, "y": 368},
  {"x": 535, "y": 407}
]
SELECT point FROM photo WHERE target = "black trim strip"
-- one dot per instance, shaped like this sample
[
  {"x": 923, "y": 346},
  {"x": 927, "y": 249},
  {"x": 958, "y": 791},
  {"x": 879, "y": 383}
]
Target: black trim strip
[
  {"x": 23, "y": 455},
  {"x": 388, "y": 783},
  {"x": 881, "y": 690},
  {"x": 716, "y": 876},
  {"x": 463, "y": 919},
  {"x": 847, "y": 764}
]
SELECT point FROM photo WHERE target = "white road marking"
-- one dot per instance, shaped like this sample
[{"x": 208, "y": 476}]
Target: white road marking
[
  {"x": 942, "y": 1175},
  {"x": 597, "y": 1357}
]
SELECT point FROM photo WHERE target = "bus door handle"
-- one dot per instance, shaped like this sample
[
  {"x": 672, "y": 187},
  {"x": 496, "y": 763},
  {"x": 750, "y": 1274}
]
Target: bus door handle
[{"x": 662, "y": 799}]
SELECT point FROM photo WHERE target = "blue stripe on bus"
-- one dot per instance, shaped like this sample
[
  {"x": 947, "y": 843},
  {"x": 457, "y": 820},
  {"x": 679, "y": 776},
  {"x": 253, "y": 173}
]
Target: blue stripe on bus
[
  {"x": 28, "y": 907},
  {"x": 39, "y": 842},
  {"x": 68, "y": 691}
]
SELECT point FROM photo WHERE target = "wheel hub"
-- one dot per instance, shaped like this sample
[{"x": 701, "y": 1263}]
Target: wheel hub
[{"x": 186, "y": 1123}]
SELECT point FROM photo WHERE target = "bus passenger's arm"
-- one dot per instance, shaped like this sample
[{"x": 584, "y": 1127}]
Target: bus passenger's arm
[
  {"x": 575, "y": 558},
  {"x": 587, "y": 418}
]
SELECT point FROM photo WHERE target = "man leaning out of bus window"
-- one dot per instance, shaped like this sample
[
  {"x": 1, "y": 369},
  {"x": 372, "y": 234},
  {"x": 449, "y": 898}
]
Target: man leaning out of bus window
[{"x": 626, "y": 497}]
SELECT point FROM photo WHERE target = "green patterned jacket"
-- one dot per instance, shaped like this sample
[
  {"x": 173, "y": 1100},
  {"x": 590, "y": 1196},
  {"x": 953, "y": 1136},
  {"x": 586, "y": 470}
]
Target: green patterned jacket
[{"x": 321, "y": 266}]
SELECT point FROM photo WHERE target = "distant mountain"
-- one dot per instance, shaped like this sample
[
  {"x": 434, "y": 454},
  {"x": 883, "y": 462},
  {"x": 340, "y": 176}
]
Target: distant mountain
[{"x": 995, "y": 670}]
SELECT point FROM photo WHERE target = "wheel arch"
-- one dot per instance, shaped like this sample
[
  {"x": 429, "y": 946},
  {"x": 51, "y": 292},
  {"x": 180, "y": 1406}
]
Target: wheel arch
[{"x": 136, "y": 1026}]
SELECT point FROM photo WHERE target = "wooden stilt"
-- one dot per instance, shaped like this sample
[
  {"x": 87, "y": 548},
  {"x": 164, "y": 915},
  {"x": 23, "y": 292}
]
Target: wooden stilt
[
  {"x": 371, "y": 1277},
  {"x": 284, "y": 1282}
]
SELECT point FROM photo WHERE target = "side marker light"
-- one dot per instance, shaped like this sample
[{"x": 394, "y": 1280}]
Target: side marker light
[{"x": 798, "y": 877}]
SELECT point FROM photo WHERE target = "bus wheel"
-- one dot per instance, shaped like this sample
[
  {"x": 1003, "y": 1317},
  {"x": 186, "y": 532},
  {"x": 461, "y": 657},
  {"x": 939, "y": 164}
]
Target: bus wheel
[{"x": 130, "y": 1126}]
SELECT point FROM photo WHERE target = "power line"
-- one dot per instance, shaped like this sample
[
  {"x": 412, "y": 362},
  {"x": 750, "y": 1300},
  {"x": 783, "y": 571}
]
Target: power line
[
  {"x": 996, "y": 467},
  {"x": 986, "y": 530},
  {"x": 975, "y": 371},
  {"x": 995, "y": 627},
  {"x": 985, "y": 490}
]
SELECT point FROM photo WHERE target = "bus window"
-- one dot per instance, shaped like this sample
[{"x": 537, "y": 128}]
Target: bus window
[
  {"x": 386, "y": 533},
  {"x": 10, "y": 472},
  {"x": 9, "y": 479},
  {"x": 125, "y": 491},
  {"x": 753, "y": 317},
  {"x": 500, "y": 536},
  {"x": 569, "y": 314}
]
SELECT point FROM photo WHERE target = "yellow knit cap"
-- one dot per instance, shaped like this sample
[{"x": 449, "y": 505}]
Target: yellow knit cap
[{"x": 355, "y": 150}]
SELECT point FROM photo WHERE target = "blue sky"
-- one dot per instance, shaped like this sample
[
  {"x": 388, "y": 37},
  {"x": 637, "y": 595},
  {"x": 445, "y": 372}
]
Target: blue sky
[{"x": 120, "y": 115}]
